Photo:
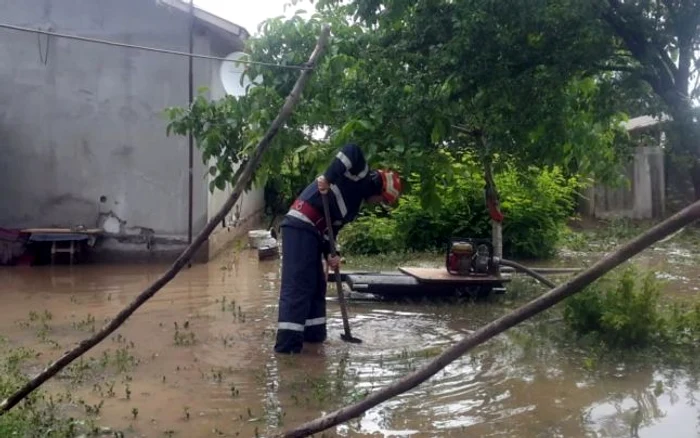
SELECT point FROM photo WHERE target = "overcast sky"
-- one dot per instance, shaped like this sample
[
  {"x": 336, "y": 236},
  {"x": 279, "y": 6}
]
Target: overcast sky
[{"x": 249, "y": 13}]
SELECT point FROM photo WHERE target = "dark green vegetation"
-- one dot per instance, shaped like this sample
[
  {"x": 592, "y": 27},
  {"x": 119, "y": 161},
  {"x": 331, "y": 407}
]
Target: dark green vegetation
[
  {"x": 515, "y": 87},
  {"x": 536, "y": 205},
  {"x": 629, "y": 311}
]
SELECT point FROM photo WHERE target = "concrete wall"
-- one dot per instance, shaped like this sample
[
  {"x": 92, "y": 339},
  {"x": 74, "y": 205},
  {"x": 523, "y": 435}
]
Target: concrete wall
[
  {"x": 247, "y": 212},
  {"x": 82, "y": 133},
  {"x": 642, "y": 198}
]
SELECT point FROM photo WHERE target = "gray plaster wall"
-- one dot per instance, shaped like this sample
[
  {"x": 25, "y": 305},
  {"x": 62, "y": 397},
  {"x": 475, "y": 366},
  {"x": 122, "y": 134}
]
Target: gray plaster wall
[{"x": 82, "y": 133}]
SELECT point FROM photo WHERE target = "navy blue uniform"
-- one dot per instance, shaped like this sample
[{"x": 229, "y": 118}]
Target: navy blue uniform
[{"x": 302, "y": 305}]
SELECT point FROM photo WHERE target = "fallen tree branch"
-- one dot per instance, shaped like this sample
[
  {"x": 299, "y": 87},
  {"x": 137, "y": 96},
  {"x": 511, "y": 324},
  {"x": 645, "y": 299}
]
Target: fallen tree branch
[
  {"x": 544, "y": 302},
  {"x": 245, "y": 177}
]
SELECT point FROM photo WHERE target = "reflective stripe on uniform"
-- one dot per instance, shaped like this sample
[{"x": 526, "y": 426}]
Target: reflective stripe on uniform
[
  {"x": 344, "y": 158},
  {"x": 340, "y": 200},
  {"x": 362, "y": 174},
  {"x": 301, "y": 216},
  {"x": 390, "y": 185},
  {"x": 290, "y": 326},
  {"x": 316, "y": 321},
  {"x": 348, "y": 166}
]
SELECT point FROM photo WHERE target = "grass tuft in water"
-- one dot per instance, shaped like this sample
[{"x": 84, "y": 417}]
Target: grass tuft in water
[{"x": 39, "y": 414}]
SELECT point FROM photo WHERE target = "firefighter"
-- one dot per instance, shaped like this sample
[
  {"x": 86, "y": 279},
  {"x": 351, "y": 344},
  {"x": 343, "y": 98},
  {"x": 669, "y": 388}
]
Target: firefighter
[{"x": 348, "y": 182}]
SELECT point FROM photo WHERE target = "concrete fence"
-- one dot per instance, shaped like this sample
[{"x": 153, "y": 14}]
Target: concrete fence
[{"x": 642, "y": 197}]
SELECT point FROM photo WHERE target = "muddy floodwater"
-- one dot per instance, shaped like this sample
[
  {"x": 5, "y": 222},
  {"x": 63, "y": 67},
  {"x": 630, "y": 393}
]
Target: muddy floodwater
[{"x": 197, "y": 360}]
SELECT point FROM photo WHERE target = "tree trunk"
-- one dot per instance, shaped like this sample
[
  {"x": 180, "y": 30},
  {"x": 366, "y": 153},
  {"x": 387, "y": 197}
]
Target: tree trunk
[
  {"x": 245, "y": 177},
  {"x": 544, "y": 302}
]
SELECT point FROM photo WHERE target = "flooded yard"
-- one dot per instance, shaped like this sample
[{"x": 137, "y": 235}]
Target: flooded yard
[{"x": 197, "y": 359}]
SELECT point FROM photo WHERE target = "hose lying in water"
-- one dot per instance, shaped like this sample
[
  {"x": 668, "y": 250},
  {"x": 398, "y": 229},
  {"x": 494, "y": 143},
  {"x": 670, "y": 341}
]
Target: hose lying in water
[{"x": 518, "y": 267}]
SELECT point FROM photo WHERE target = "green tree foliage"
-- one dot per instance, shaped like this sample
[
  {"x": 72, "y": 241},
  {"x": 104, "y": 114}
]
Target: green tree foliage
[
  {"x": 423, "y": 77},
  {"x": 658, "y": 43},
  {"x": 511, "y": 72}
]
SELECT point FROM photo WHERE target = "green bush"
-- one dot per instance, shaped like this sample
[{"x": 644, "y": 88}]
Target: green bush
[
  {"x": 536, "y": 205},
  {"x": 370, "y": 236},
  {"x": 627, "y": 311},
  {"x": 621, "y": 312}
]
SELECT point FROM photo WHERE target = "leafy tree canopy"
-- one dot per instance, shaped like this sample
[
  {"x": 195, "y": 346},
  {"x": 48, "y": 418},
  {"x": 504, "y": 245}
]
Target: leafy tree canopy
[{"x": 407, "y": 80}]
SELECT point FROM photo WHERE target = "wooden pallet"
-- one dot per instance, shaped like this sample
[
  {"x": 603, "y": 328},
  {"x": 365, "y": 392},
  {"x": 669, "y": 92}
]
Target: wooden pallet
[{"x": 440, "y": 275}]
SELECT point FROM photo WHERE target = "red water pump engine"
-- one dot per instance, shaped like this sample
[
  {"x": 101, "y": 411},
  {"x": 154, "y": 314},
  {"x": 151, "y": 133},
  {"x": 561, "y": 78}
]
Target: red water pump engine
[{"x": 470, "y": 257}]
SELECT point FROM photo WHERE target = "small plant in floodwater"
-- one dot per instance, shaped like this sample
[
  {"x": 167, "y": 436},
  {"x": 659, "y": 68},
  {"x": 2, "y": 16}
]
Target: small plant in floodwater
[
  {"x": 627, "y": 312},
  {"x": 217, "y": 375},
  {"x": 134, "y": 412},
  {"x": 123, "y": 360},
  {"x": 187, "y": 338},
  {"x": 127, "y": 390},
  {"x": 39, "y": 414},
  {"x": 92, "y": 410},
  {"x": 88, "y": 323},
  {"x": 187, "y": 413}
]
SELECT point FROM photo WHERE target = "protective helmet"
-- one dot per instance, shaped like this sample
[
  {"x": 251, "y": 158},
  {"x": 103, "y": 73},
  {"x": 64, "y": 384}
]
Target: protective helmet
[{"x": 391, "y": 185}]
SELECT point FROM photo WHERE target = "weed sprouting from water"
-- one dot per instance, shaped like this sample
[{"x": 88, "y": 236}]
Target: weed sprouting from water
[
  {"x": 236, "y": 310},
  {"x": 85, "y": 369},
  {"x": 185, "y": 338},
  {"x": 92, "y": 410},
  {"x": 39, "y": 414},
  {"x": 88, "y": 323},
  {"x": 40, "y": 322}
]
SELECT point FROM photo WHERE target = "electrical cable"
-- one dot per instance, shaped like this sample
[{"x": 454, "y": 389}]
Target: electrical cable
[{"x": 150, "y": 49}]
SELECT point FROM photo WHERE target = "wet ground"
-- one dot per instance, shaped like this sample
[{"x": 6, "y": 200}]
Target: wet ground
[{"x": 197, "y": 360}]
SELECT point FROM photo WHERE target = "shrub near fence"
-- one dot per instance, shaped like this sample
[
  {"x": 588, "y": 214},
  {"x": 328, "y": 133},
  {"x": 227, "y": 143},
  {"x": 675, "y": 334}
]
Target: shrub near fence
[{"x": 536, "y": 205}]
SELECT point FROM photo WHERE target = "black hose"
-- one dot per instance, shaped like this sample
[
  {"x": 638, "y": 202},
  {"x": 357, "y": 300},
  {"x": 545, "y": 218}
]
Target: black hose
[{"x": 528, "y": 271}]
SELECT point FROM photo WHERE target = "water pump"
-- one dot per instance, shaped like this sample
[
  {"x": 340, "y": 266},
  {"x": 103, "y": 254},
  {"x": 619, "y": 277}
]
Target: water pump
[{"x": 470, "y": 257}]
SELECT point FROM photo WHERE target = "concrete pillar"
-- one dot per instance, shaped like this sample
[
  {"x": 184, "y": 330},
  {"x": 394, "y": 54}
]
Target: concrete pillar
[
  {"x": 658, "y": 182},
  {"x": 641, "y": 185}
]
